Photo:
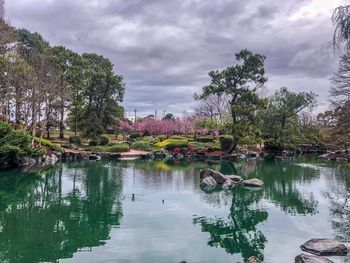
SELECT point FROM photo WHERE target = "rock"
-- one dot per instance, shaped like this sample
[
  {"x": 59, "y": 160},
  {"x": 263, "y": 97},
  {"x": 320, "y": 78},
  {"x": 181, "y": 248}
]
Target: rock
[
  {"x": 27, "y": 161},
  {"x": 254, "y": 182},
  {"x": 94, "y": 157},
  {"x": 303, "y": 258},
  {"x": 48, "y": 159},
  {"x": 253, "y": 260},
  {"x": 219, "y": 177},
  {"x": 54, "y": 159},
  {"x": 341, "y": 159},
  {"x": 229, "y": 184},
  {"x": 235, "y": 178},
  {"x": 324, "y": 247},
  {"x": 208, "y": 182}
]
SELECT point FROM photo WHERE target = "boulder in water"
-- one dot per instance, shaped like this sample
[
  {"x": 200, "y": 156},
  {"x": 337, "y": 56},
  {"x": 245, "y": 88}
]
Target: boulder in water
[
  {"x": 253, "y": 260},
  {"x": 303, "y": 258},
  {"x": 254, "y": 182},
  {"x": 218, "y": 177},
  {"x": 324, "y": 247},
  {"x": 208, "y": 183},
  {"x": 235, "y": 178},
  {"x": 229, "y": 184}
]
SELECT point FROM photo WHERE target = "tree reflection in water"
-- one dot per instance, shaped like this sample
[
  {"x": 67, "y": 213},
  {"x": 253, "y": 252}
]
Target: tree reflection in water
[
  {"x": 239, "y": 233},
  {"x": 340, "y": 204},
  {"x": 66, "y": 209}
]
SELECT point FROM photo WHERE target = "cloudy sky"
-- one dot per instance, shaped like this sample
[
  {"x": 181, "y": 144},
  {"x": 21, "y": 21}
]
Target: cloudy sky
[{"x": 165, "y": 48}]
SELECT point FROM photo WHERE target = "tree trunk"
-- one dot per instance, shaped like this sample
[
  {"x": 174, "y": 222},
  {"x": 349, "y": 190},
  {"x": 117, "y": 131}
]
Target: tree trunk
[
  {"x": 62, "y": 121},
  {"x": 17, "y": 105},
  {"x": 232, "y": 147}
]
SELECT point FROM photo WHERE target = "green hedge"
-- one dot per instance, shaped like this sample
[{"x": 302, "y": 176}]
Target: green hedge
[
  {"x": 115, "y": 148},
  {"x": 225, "y": 142},
  {"x": 178, "y": 137},
  {"x": 143, "y": 145},
  {"x": 205, "y": 139},
  {"x": 122, "y": 147},
  {"x": 177, "y": 144}
]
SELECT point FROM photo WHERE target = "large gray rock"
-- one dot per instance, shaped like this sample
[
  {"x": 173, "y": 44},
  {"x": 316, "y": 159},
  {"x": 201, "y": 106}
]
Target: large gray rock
[
  {"x": 324, "y": 247},
  {"x": 229, "y": 184},
  {"x": 253, "y": 260},
  {"x": 235, "y": 178},
  {"x": 208, "y": 182},
  {"x": 219, "y": 177},
  {"x": 254, "y": 182},
  {"x": 303, "y": 258}
]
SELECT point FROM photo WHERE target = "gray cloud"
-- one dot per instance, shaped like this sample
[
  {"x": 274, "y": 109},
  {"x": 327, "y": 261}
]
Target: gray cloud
[{"x": 164, "y": 49}]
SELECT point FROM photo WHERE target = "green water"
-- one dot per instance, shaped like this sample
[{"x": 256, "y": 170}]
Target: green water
[{"x": 84, "y": 212}]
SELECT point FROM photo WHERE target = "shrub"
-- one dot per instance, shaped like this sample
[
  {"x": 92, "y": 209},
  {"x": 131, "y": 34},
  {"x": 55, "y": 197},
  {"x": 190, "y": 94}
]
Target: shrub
[
  {"x": 54, "y": 146},
  {"x": 205, "y": 139},
  {"x": 184, "y": 150},
  {"x": 176, "y": 144},
  {"x": 154, "y": 140},
  {"x": 75, "y": 140},
  {"x": 14, "y": 144},
  {"x": 93, "y": 142},
  {"x": 104, "y": 140},
  {"x": 115, "y": 148},
  {"x": 135, "y": 135},
  {"x": 225, "y": 142},
  {"x": 120, "y": 147},
  {"x": 169, "y": 144},
  {"x": 142, "y": 145},
  {"x": 215, "y": 148},
  {"x": 161, "y": 137},
  {"x": 272, "y": 145},
  {"x": 177, "y": 137}
]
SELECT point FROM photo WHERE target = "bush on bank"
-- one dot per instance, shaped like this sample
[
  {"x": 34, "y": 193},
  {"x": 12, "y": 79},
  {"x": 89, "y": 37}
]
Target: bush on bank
[
  {"x": 54, "y": 146},
  {"x": 14, "y": 145}
]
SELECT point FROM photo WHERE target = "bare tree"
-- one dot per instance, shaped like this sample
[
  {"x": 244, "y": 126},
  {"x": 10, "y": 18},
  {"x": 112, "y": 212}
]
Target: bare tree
[
  {"x": 214, "y": 107},
  {"x": 341, "y": 80},
  {"x": 341, "y": 21}
]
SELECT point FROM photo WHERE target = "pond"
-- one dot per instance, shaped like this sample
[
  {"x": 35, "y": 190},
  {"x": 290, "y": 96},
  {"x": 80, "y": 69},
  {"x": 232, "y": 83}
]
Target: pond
[{"x": 155, "y": 211}]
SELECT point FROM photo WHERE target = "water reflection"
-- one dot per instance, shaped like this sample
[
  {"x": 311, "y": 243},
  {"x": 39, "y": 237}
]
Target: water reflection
[
  {"x": 339, "y": 197},
  {"x": 68, "y": 208},
  {"x": 238, "y": 232},
  {"x": 73, "y": 207}
]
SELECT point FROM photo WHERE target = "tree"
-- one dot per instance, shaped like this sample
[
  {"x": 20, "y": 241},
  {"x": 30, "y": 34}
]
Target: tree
[
  {"x": 169, "y": 116},
  {"x": 214, "y": 107},
  {"x": 103, "y": 92},
  {"x": 341, "y": 81},
  {"x": 239, "y": 84},
  {"x": 279, "y": 122},
  {"x": 341, "y": 21}
]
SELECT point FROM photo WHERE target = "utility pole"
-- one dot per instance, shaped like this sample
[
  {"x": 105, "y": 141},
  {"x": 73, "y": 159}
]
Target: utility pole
[{"x": 155, "y": 114}]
